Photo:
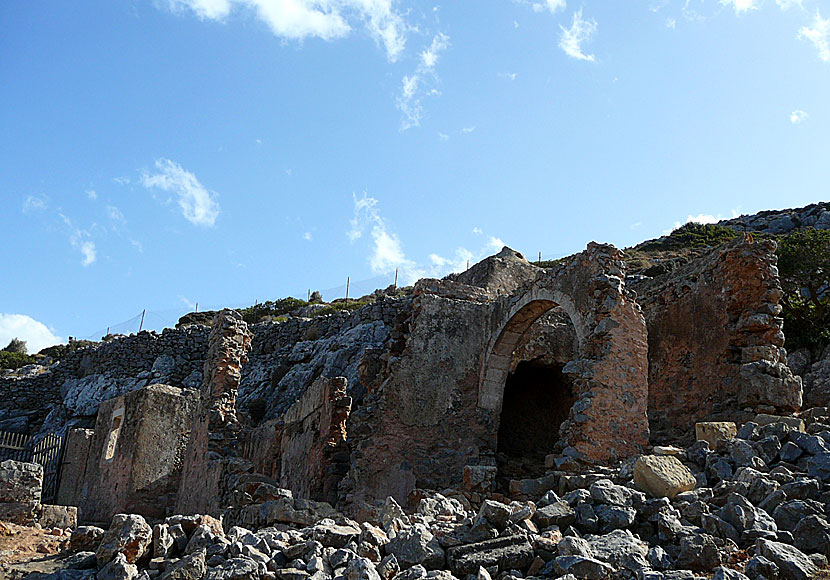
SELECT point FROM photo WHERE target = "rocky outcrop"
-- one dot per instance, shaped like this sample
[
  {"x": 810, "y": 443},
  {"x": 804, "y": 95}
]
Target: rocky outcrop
[
  {"x": 783, "y": 221},
  {"x": 715, "y": 340}
]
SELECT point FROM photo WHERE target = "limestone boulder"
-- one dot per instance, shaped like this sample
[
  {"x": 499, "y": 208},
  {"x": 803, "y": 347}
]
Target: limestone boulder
[
  {"x": 129, "y": 535},
  {"x": 716, "y": 433},
  {"x": 85, "y": 538},
  {"x": 118, "y": 569},
  {"x": 662, "y": 476},
  {"x": 20, "y": 482},
  {"x": 793, "y": 564},
  {"x": 416, "y": 545}
]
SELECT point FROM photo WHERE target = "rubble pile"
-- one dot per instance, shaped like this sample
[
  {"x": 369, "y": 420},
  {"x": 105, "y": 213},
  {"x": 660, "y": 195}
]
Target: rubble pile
[{"x": 739, "y": 503}]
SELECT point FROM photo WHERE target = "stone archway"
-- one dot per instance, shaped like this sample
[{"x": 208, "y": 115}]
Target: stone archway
[{"x": 610, "y": 376}]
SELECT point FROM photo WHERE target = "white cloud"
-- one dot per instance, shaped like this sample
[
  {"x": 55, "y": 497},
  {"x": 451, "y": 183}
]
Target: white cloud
[
  {"x": 468, "y": 129},
  {"x": 580, "y": 32},
  {"x": 119, "y": 181},
  {"x": 703, "y": 218},
  {"x": 81, "y": 240},
  {"x": 508, "y": 76},
  {"x": 190, "y": 304},
  {"x": 443, "y": 137},
  {"x": 91, "y": 194},
  {"x": 324, "y": 19},
  {"x": 198, "y": 205},
  {"x": 787, "y": 4},
  {"x": 307, "y": 236},
  {"x": 33, "y": 203},
  {"x": 36, "y": 334},
  {"x": 114, "y": 214},
  {"x": 417, "y": 85},
  {"x": 819, "y": 35},
  {"x": 741, "y": 6},
  {"x": 551, "y": 6},
  {"x": 477, "y": 230},
  {"x": 671, "y": 23},
  {"x": 386, "y": 249},
  {"x": 798, "y": 116},
  {"x": 495, "y": 244}
]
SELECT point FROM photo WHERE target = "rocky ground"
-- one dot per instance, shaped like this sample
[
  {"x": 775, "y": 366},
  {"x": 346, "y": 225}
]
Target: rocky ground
[{"x": 748, "y": 503}]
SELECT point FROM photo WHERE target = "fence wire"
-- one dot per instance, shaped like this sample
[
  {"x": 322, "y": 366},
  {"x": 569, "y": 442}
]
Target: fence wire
[{"x": 158, "y": 319}]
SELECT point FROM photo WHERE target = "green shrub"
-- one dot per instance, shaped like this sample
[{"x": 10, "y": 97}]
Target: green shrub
[
  {"x": 273, "y": 309},
  {"x": 338, "y": 306},
  {"x": 804, "y": 271},
  {"x": 14, "y": 360},
  {"x": 17, "y": 346},
  {"x": 691, "y": 235}
]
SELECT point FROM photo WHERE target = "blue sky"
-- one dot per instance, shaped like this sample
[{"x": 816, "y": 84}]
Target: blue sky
[{"x": 155, "y": 154}]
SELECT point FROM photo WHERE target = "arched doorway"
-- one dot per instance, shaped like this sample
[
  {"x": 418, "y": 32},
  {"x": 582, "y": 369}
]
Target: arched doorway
[{"x": 537, "y": 396}]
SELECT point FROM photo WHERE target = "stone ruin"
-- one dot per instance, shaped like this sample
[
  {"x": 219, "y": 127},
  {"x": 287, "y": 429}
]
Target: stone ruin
[{"x": 479, "y": 381}]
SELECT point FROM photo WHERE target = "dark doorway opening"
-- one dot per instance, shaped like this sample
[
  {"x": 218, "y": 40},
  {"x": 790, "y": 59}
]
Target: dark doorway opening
[{"x": 537, "y": 398}]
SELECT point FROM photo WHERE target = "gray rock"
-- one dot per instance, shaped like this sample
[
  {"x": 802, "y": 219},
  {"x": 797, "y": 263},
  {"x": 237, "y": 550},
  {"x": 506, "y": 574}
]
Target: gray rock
[
  {"x": 586, "y": 518},
  {"x": 620, "y": 549},
  {"x": 605, "y": 491},
  {"x": 234, "y": 569},
  {"x": 556, "y": 514},
  {"x": 790, "y": 452},
  {"x": 573, "y": 546},
  {"x": 190, "y": 567},
  {"x": 819, "y": 466},
  {"x": 495, "y": 513},
  {"x": 758, "y": 567},
  {"x": 361, "y": 569},
  {"x": 615, "y": 517},
  {"x": 80, "y": 561},
  {"x": 129, "y": 534},
  {"x": 333, "y": 535},
  {"x": 658, "y": 558},
  {"x": 788, "y": 514},
  {"x": 20, "y": 482},
  {"x": 792, "y": 563},
  {"x": 812, "y": 535},
  {"x": 811, "y": 444},
  {"x": 388, "y": 567},
  {"x": 416, "y": 572},
  {"x": 698, "y": 552},
  {"x": 416, "y": 545},
  {"x": 118, "y": 569},
  {"x": 728, "y": 574},
  {"x": 85, "y": 538},
  {"x": 505, "y": 553},
  {"x": 582, "y": 567}
]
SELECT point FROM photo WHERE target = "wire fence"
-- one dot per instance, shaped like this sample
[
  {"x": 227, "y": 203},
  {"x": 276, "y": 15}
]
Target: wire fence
[{"x": 168, "y": 317}]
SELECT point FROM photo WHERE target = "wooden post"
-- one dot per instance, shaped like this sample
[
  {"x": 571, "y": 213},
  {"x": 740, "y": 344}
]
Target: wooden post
[
  {"x": 309, "y": 295},
  {"x": 141, "y": 325},
  {"x": 347, "y": 288},
  {"x": 540, "y": 257},
  {"x": 395, "y": 285},
  {"x": 468, "y": 264},
  {"x": 197, "y": 307}
]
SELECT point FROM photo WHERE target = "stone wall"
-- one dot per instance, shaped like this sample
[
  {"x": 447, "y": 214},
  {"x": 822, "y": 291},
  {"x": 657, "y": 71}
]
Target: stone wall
[
  {"x": 438, "y": 409},
  {"x": 305, "y": 450},
  {"x": 134, "y": 457},
  {"x": 715, "y": 339}
]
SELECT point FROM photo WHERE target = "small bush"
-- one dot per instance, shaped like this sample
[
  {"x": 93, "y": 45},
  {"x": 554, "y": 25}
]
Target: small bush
[
  {"x": 804, "y": 271},
  {"x": 14, "y": 360},
  {"x": 691, "y": 235},
  {"x": 271, "y": 309},
  {"x": 17, "y": 346},
  {"x": 338, "y": 306}
]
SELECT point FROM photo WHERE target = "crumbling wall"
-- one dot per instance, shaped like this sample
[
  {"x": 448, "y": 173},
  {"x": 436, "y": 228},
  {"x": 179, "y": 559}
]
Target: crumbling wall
[
  {"x": 212, "y": 453},
  {"x": 134, "y": 457},
  {"x": 715, "y": 339},
  {"x": 306, "y": 451},
  {"x": 438, "y": 409}
]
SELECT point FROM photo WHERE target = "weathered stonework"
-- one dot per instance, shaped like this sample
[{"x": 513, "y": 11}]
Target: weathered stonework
[
  {"x": 439, "y": 408},
  {"x": 133, "y": 459},
  {"x": 715, "y": 339},
  {"x": 213, "y": 445}
]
